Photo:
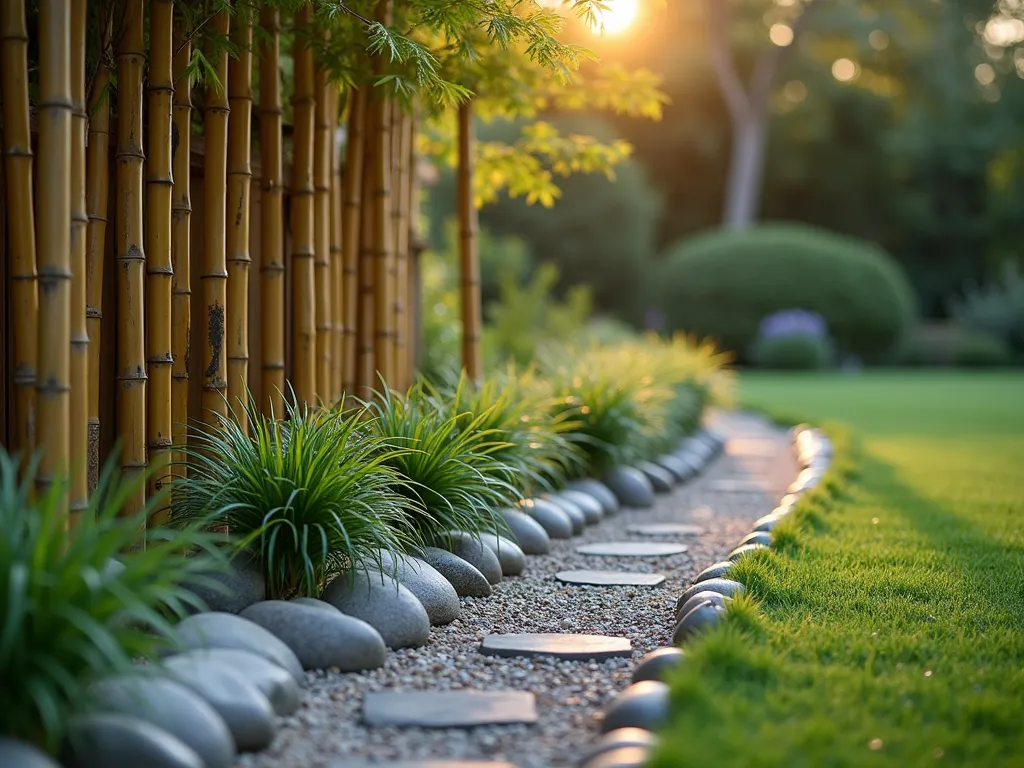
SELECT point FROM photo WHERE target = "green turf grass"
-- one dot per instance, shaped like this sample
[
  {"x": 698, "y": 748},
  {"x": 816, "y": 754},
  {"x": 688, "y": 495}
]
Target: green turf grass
[{"x": 888, "y": 630}]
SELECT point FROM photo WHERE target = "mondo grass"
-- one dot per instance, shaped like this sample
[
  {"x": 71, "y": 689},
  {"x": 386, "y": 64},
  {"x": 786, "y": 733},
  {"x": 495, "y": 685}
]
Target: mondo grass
[
  {"x": 889, "y": 622},
  {"x": 70, "y": 615},
  {"x": 310, "y": 496}
]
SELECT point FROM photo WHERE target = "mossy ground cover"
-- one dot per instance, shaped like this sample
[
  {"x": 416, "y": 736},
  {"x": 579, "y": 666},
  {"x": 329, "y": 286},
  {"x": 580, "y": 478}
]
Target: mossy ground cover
[{"x": 888, "y": 628}]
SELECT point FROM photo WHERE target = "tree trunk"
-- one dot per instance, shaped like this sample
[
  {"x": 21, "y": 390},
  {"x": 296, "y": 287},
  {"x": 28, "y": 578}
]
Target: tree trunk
[
  {"x": 97, "y": 192},
  {"x": 181, "y": 254},
  {"x": 271, "y": 217},
  {"x": 78, "y": 407},
  {"x": 350, "y": 233},
  {"x": 303, "y": 255},
  {"x": 20, "y": 221},
  {"x": 746, "y": 168},
  {"x": 238, "y": 258},
  {"x": 215, "y": 274},
  {"x": 159, "y": 188},
  {"x": 322, "y": 233},
  {"x": 131, "y": 259},
  {"x": 337, "y": 270},
  {"x": 469, "y": 260}
]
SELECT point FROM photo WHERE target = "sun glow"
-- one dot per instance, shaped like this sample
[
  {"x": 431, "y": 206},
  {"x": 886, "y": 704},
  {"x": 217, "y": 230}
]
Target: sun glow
[{"x": 616, "y": 18}]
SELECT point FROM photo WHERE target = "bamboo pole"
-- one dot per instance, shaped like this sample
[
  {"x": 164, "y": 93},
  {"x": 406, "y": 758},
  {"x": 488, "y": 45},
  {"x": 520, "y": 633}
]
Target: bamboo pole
[
  {"x": 53, "y": 236},
  {"x": 413, "y": 298},
  {"x": 181, "y": 245},
  {"x": 403, "y": 156},
  {"x": 469, "y": 261},
  {"x": 365, "y": 379},
  {"x": 78, "y": 405},
  {"x": 159, "y": 273},
  {"x": 20, "y": 221},
  {"x": 322, "y": 233},
  {"x": 214, "y": 263},
  {"x": 131, "y": 259},
  {"x": 303, "y": 296},
  {"x": 239, "y": 179},
  {"x": 337, "y": 276},
  {"x": 271, "y": 216},
  {"x": 383, "y": 232},
  {"x": 97, "y": 192},
  {"x": 354, "y": 151}
]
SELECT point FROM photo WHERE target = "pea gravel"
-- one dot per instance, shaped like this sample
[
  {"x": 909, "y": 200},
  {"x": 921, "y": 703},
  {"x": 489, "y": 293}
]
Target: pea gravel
[{"x": 326, "y": 731}]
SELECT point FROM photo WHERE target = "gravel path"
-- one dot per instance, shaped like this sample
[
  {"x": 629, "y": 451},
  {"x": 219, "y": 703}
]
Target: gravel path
[{"x": 326, "y": 733}]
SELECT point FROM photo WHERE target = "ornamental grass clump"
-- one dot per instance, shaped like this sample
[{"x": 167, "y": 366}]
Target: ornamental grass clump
[
  {"x": 447, "y": 469},
  {"x": 71, "y": 614},
  {"x": 308, "y": 496}
]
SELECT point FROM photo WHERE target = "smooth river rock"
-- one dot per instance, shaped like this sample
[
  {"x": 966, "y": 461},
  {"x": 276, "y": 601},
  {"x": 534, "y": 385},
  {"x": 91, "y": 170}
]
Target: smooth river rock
[
  {"x": 742, "y": 551},
  {"x": 172, "y": 707},
  {"x": 18, "y": 754},
  {"x": 620, "y": 757},
  {"x": 631, "y": 487},
  {"x": 438, "y": 596},
  {"x": 579, "y": 520},
  {"x": 715, "y": 571},
  {"x": 510, "y": 556},
  {"x": 658, "y": 664},
  {"x": 384, "y": 604},
  {"x": 467, "y": 580},
  {"x": 661, "y": 479},
  {"x": 110, "y": 740},
  {"x": 600, "y": 491},
  {"x": 527, "y": 532},
  {"x": 768, "y": 522},
  {"x": 593, "y": 511},
  {"x": 321, "y": 639},
  {"x": 314, "y": 602},
  {"x": 276, "y": 684},
  {"x": 642, "y": 705},
  {"x": 698, "y": 620},
  {"x": 475, "y": 552},
  {"x": 619, "y": 739},
  {"x": 225, "y": 630},
  {"x": 234, "y": 589},
  {"x": 675, "y": 467},
  {"x": 551, "y": 518},
  {"x": 757, "y": 537},
  {"x": 726, "y": 587},
  {"x": 699, "y": 599}
]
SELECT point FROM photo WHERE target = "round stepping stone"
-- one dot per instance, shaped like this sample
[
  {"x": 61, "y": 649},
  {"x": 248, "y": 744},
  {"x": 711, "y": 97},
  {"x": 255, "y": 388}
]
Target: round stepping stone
[
  {"x": 526, "y": 532},
  {"x": 600, "y": 491},
  {"x": 716, "y": 571},
  {"x": 659, "y": 664},
  {"x": 642, "y": 705},
  {"x": 384, "y": 604},
  {"x": 466, "y": 579},
  {"x": 579, "y": 520},
  {"x": 434, "y": 591},
  {"x": 18, "y": 754},
  {"x": 551, "y": 518},
  {"x": 631, "y": 487},
  {"x": 225, "y": 630},
  {"x": 592, "y": 509},
  {"x": 740, "y": 552},
  {"x": 321, "y": 639},
  {"x": 622, "y": 737},
  {"x": 726, "y": 587},
  {"x": 105, "y": 739},
  {"x": 757, "y": 537},
  {"x": 665, "y": 529},
  {"x": 674, "y": 467},
  {"x": 471, "y": 549},
  {"x": 699, "y": 599},
  {"x": 273, "y": 682},
  {"x": 449, "y": 709},
  {"x": 511, "y": 558},
  {"x": 698, "y": 620},
  {"x": 611, "y": 578},
  {"x": 632, "y": 549},
  {"x": 561, "y": 646},
  {"x": 622, "y": 757},
  {"x": 661, "y": 479},
  {"x": 171, "y": 707}
]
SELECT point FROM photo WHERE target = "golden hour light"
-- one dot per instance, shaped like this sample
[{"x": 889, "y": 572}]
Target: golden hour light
[{"x": 616, "y": 18}]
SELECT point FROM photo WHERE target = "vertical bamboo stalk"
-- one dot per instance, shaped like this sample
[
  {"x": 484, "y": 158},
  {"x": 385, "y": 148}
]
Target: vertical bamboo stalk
[
  {"x": 53, "y": 235},
  {"x": 382, "y": 240},
  {"x": 20, "y": 221},
  {"x": 97, "y": 193},
  {"x": 303, "y": 296},
  {"x": 354, "y": 150},
  {"x": 215, "y": 273},
  {"x": 469, "y": 261},
  {"x": 239, "y": 178},
  {"x": 365, "y": 379},
  {"x": 181, "y": 236},
  {"x": 337, "y": 281},
  {"x": 412, "y": 295},
  {"x": 322, "y": 233},
  {"x": 131, "y": 259},
  {"x": 271, "y": 216},
  {"x": 403, "y": 164},
  {"x": 78, "y": 404},
  {"x": 159, "y": 273}
]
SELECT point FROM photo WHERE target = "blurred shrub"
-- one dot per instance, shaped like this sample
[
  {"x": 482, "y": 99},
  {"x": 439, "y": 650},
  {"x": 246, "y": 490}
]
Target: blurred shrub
[
  {"x": 982, "y": 350},
  {"x": 441, "y": 325},
  {"x": 792, "y": 351},
  {"x": 721, "y": 284},
  {"x": 996, "y": 309}
]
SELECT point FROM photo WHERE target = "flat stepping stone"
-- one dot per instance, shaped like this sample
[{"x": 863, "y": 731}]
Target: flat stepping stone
[
  {"x": 611, "y": 578},
  {"x": 665, "y": 529},
  {"x": 561, "y": 646},
  {"x": 632, "y": 549},
  {"x": 424, "y": 764},
  {"x": 449, "y": 709}
]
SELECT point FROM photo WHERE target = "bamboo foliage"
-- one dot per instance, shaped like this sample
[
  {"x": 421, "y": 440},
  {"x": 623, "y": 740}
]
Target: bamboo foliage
[
  {"x": 181, "y": 233},
  {"x": 350, "y": 229},
  {"x": 214, "y": 263},
  {"x": 271, "y": 216},
  {"x": 159, "y": 274},
  {"x": 337, "y": 275},
  {"x": 131, "y": 260},
  {"x": 78, "y": 406},
  {"x": 402, "y": 157},
  {"x": 239, "y": 178},
  {"x": 18, "y": 163},
  {"x": 322, "y": 232},
  {"x": 97, "y": 173},
  {"x": 469, "y": 261},
  {"x": 364, "y": 325},
  {"x": 302, "y": 220}
]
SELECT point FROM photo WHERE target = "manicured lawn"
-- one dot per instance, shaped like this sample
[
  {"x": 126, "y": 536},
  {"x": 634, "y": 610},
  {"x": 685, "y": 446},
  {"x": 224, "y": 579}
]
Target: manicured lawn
[{"x": 889, "y": 628}]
